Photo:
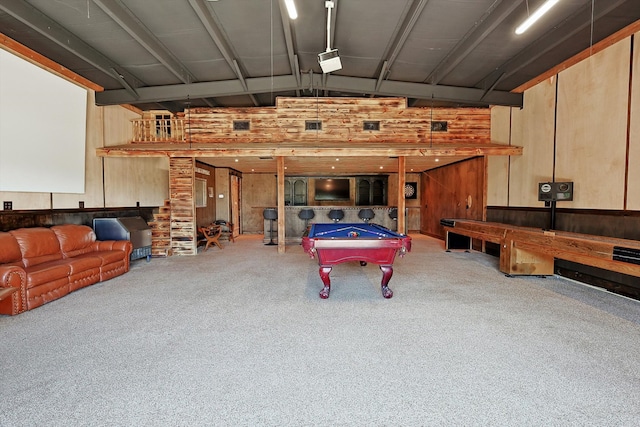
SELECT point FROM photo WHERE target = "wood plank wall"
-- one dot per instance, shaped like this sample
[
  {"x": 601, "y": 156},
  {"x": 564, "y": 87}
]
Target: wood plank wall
[
  {"x": 452, "y": 191},
  {"x": 580, "y": 124},
  {"x": 342, "y": 121},
  {"x": 183, "y": 221}
]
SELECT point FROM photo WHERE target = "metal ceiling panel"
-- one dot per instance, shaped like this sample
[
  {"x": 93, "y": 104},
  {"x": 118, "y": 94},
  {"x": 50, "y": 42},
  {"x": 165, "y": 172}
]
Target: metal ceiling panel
[
  {"x": 256, "y": 34},
  {"x": 178, "y": 28},
  {"x": 432, "y": 38},
  {"x": 199, "y": 52}
]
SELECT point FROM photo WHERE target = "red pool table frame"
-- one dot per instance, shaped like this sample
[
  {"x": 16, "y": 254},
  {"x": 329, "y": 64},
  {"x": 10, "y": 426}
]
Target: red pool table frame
[{"x": 330, "y": 251}]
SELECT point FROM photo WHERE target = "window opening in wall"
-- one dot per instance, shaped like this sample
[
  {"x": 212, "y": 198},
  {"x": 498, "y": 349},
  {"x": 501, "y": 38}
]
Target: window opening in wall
[
  {"x": 201, "y": 193},
  {"x": 163, "y": 126},
  {"x": 371, "y": 125},
  {"x": 241, "y": 125},
  {"x": 313, "y": 125},
  {"x": 439, "y": 126}
]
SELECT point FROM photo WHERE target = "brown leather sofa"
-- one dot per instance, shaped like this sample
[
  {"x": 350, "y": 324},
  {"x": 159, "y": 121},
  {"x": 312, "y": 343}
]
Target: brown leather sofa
[{"x": 45, "y": 264}]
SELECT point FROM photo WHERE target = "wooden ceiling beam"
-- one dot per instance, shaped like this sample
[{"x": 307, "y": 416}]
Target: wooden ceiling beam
[{"x": 268, "y": 150}]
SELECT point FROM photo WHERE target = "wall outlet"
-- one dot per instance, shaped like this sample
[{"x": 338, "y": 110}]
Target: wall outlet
[{"x": 7, "y": 206}]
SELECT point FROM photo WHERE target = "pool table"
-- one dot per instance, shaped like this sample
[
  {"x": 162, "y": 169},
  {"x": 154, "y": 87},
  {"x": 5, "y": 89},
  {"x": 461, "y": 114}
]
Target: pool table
[{"x": 335, "y": 243}]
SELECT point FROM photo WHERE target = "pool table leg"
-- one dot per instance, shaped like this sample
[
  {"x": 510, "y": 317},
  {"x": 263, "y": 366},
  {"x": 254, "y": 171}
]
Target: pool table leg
[
  {"x": 324, "y": 275},
  {"x": 387, "y": 272}
]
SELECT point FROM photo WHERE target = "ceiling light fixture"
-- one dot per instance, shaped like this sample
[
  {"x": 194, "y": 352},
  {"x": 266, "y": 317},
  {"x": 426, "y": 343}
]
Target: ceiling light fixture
[
  {"x": 329, "y": 60},
  {"x": 535, "y": 16},
  {"x": 291, "y": 8}
]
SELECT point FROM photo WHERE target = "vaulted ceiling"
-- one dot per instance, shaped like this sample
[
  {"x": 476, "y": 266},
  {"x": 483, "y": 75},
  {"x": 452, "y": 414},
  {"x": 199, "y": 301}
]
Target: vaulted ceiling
[{"x": 172, "y": 54}]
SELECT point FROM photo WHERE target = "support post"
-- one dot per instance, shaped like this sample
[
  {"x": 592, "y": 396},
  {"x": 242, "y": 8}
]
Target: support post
[
  {"x": 401, "y": 184},
  {"x": 281, "y": 213}
]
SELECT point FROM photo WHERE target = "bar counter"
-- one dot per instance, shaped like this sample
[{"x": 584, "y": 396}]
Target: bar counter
[{"x": 295, "y": 226}]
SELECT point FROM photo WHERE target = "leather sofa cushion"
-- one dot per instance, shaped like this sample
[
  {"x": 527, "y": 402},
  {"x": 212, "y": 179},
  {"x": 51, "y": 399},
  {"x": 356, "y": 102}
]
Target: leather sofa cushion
[
  {"x": 10, "y": 250},
  {"x": 47, "y": 272},
  {"x": 80, "y": 264},
  {"x": 75, "y": 239},
  {"x": 38, "y": 245},
  {"x": 105, "y": 257}
]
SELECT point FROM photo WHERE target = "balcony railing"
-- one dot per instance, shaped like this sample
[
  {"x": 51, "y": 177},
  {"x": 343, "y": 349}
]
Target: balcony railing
[{"x": 158, "y": 130}]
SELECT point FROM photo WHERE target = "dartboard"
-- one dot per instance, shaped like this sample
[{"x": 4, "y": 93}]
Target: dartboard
[{"x": 409, "y": 190}]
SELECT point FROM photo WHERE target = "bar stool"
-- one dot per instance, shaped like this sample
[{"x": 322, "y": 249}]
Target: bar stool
[
  {"x": 306, "y": 215},
  {"x": 271, "y": 214},
  {"x": 336, "y": 215},
  {"x": 393, "y": 213},
  {"x": 366, "y": 214}
]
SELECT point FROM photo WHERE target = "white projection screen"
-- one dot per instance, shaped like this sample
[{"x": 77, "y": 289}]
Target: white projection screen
[{"x": 42, "y": 129}]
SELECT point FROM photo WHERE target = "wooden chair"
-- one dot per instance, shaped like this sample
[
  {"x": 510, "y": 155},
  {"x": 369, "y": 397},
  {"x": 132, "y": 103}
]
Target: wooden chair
[
  {"x": 227, "y": 229},
  {"x": 211, "y": 236}
]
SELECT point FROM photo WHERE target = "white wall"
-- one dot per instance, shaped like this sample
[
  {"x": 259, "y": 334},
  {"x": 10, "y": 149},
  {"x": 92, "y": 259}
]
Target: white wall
[{"x": 128, "y": 180}]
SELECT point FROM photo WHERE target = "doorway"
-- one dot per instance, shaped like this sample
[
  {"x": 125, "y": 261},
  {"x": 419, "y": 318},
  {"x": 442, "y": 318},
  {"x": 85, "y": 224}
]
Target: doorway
[{"x": 235, "y": 204}]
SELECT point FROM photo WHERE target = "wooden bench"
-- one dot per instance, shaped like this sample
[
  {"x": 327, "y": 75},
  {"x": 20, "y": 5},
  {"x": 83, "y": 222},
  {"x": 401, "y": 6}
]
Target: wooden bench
[
  {"x": 211, "y": 236},
  {"x": 532, "y": 251}
]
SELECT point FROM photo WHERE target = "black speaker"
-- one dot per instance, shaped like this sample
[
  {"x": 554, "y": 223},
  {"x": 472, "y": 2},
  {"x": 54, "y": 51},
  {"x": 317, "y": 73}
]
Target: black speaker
[{"x": 555, "y": 191}]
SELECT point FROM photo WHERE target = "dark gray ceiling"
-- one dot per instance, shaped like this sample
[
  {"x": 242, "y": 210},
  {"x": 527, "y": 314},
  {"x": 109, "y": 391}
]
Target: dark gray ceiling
[{"x": 170, "y": 54}]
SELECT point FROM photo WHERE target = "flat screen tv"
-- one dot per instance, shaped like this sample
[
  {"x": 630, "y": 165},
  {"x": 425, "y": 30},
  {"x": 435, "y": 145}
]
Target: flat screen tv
[{"x": 332, "y": 189}]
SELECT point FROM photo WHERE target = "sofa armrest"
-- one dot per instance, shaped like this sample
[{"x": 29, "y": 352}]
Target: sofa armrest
[
  {"x": 13, "y": 277},
  {"x": 115, "y": 245}
]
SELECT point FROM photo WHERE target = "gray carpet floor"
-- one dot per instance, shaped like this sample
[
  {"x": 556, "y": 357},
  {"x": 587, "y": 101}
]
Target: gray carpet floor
[{"x": 239, "y": 337}]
